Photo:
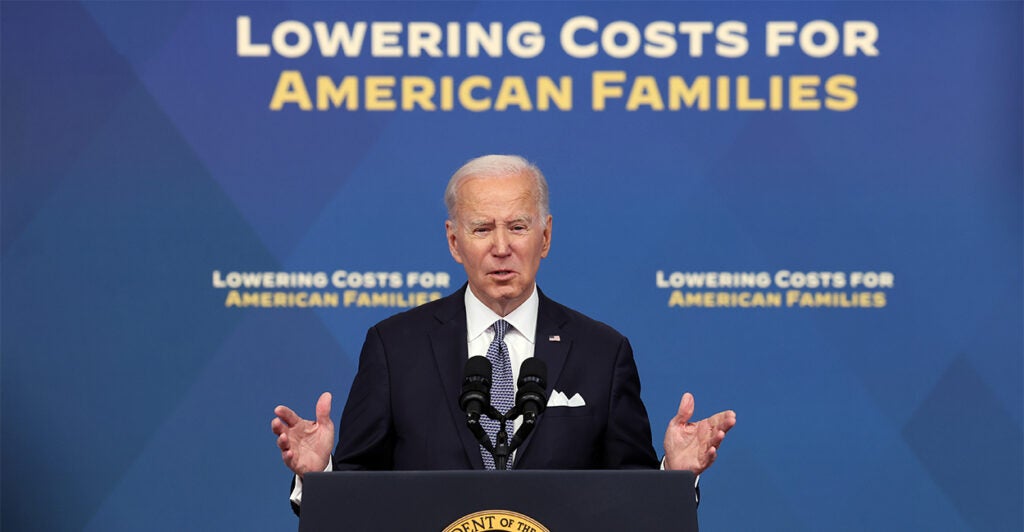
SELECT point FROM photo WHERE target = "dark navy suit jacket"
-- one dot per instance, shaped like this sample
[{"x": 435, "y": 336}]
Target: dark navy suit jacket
[{"x": 403, "y": 409}]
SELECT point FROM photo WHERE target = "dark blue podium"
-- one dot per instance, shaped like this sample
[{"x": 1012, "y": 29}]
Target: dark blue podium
[{"x": 480, "y": 501}]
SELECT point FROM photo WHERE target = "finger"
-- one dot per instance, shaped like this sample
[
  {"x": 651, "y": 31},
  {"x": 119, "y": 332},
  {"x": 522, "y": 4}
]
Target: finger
[
  {"x": 277, "y": 426},
  {"x": 685, "y": 409},
  {"x": 716, "y": 439},
  {"x": 282, "y": 442},
  {"x": 323, "y": 408},
  {"x": 287, "y": 415},
  {"x": 724, "y": 420},
  {"x": 289, "y": 459}
]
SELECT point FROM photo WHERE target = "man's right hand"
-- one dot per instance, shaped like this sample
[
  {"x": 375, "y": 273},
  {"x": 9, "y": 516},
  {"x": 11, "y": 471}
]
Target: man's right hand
[{"x": 305, "y": 445}]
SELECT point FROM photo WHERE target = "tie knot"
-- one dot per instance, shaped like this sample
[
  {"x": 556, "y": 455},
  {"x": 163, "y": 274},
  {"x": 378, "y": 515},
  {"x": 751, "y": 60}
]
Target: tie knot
[{"x": 500, "y": 328}]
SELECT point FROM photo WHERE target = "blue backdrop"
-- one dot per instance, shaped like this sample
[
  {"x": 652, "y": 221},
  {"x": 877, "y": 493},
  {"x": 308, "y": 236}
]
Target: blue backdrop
[{"x": 153, "y": 154}]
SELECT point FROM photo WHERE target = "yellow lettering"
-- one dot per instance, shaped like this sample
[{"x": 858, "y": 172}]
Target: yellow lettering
[
  {"x": 743, "y": 100},
  {"x": 803, "y": 93},
  {"x": 775, "y": 93},
  {"x": 841, "y": 93},
  {"x": 417, "y": 90},
  {"x": 548, "y": 92},
  {"x": 645, "y": 92},
  {"x": 379, "y": 94},
  {"x": 513, "y": 92},
  {"x": 291, "y": 89},
  {"x": 603, "y": 89},
  {"x": 722, "y": 101},
  {"x": 466, "y": 93},
  {"x": 447, "y": 93},
  {"x": 327, "y": 93},
  {"x": 679, "y": 92}
]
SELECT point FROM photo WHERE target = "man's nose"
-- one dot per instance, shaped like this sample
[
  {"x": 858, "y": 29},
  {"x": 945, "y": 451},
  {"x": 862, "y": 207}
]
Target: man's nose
[{"x": 502, "y": 244}]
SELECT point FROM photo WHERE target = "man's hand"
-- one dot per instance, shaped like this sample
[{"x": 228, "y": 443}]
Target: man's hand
[
  {"x": 305, "y": 445},
  {"x": 694, "y": 446}
]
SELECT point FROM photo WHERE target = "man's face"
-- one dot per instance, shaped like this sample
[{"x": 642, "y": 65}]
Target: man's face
[{"x": 499, "y": 237}]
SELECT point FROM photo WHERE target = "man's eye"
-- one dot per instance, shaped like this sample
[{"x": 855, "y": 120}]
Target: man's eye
[
  {"x": 519, "y": 228},
  {"x": 481, "y": 230}
]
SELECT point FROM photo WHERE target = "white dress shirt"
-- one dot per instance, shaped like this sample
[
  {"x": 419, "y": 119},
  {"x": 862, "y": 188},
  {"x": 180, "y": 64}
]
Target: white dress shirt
[{"x": 520, "y": 339}]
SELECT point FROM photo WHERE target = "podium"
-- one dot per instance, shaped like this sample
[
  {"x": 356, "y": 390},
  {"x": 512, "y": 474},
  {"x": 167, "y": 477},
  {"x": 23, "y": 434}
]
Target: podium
[{"x": 480, "y": 501}]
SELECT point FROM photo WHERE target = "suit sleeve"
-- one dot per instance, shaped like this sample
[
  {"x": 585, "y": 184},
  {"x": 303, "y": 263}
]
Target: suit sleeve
[
  {"x": 365, "y": 433},
  {"x": 628, "y": 434},
  {"x": 365, "y": 438}
]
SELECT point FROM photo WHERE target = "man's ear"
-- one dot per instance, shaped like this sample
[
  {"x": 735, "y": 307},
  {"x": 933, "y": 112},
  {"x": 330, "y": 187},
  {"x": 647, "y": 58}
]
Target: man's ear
[
  {"x": 451, "y": 232},
  {"x": 547, "y": 238}
]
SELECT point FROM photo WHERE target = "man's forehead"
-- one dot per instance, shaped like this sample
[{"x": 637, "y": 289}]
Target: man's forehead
[
  {"x": 492, "y": 199},
  {"x": 512, "y": 186}
]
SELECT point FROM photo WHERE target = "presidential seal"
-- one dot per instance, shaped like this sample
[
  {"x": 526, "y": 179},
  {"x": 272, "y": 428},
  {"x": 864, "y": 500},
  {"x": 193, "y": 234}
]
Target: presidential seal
[{"x": 495, "y": 521}]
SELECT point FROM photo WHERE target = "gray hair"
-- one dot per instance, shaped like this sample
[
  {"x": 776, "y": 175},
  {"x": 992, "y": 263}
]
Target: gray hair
[{"x": 488, "y": 166}]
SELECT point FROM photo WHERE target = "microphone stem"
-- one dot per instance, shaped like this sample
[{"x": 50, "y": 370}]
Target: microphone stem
[{"x": 501, "y": 449}]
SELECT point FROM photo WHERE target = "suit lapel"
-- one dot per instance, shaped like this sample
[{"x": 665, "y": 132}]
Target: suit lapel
[
  {"x": 448, "y": 342},
  {"x": 552, "y": 345}
]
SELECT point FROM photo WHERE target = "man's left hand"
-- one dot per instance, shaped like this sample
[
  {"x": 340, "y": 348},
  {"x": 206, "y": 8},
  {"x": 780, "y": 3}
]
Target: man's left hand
[{"x": 693, "y": 446}]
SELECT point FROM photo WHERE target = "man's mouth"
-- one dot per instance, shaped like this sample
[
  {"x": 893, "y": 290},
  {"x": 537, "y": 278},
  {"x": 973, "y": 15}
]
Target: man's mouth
[{"x": 502, "y": 274}]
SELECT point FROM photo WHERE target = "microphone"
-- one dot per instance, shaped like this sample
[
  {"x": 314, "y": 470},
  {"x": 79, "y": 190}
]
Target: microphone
[
  {"x": 531, "y": 399},
  {"x": 476, "y": 387},
  {"x": 476, "y": 397},
  {"x": 532, "y": 395}
]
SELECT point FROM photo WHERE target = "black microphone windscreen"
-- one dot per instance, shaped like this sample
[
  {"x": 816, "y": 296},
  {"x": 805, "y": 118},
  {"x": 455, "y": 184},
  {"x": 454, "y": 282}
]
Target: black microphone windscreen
[
  {"x": 535, "y": 370},
  {"x": 478, "y": 367},
  {"x": 476, "y": 386},
  {"x": 531, "y": 397}
]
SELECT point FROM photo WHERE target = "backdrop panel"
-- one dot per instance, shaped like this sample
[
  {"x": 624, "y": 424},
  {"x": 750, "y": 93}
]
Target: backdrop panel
[{"x": 807, "y": 213}]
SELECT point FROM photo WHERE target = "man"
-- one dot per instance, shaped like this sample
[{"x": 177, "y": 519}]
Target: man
[{"x": 403, "y": 411}]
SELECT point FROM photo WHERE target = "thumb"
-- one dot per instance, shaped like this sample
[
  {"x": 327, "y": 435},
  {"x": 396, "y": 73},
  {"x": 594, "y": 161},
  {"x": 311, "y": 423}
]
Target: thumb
[
  {"x": 323, "y": 408},
  {"x": 685, "y": 408}
]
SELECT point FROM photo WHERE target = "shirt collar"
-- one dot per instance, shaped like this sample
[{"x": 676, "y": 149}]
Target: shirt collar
[{"x": 479, "y": 318}]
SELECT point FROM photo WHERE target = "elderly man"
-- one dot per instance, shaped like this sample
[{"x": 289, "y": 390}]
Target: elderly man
[{"x": 403, "y": 411}]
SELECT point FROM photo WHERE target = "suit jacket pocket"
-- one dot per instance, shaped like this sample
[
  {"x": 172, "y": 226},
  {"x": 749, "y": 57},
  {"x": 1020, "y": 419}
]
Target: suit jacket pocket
[{"x": 565, "y": 411}]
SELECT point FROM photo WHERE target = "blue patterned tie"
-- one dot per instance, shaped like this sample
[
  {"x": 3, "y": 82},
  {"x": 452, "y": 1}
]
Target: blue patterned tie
[{"x": 502, "y": 389}]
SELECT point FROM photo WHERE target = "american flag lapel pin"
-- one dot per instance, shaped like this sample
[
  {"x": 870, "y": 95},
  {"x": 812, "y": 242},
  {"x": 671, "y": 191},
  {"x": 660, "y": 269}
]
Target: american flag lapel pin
[{"x": 554, "y": 338}]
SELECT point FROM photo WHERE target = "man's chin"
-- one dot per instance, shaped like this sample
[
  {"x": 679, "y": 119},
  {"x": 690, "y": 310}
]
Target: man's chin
[{"x": 506, "y": 296}]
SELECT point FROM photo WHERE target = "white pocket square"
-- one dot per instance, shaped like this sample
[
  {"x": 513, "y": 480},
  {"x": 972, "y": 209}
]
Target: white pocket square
[{"x": 559, "y": 399}]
